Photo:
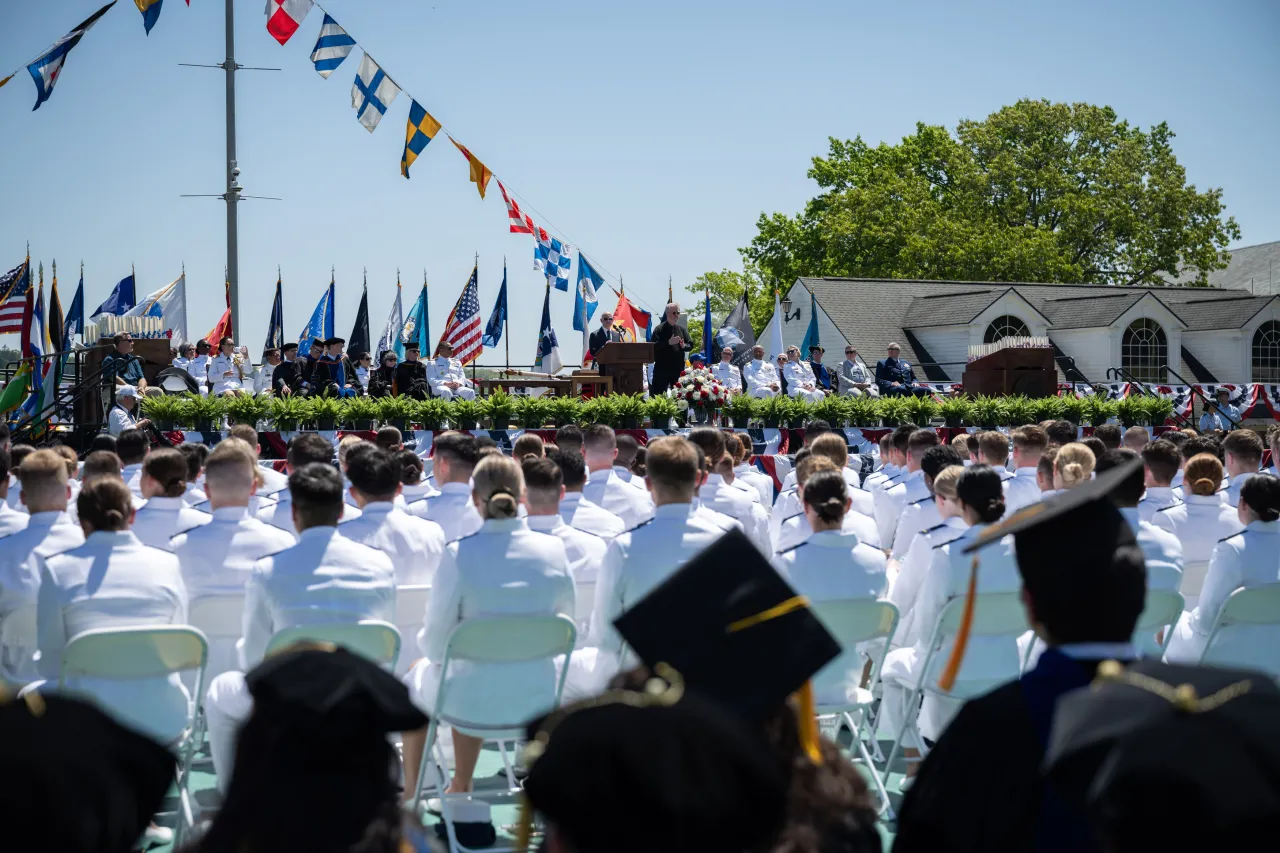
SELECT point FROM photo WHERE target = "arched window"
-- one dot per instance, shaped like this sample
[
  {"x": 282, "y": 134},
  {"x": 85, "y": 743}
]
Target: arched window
[
  {"x": 1144, "y": 350},
  {"x": 1005, "y": 327},
  {"x": 1266, "y": 352}
]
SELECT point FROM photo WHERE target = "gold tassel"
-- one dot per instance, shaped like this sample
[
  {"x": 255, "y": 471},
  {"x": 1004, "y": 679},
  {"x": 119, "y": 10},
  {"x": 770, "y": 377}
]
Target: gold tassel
[
  {"x": 808, "y": 722},
  {"x": 524, "y": 825},
  {"x": 948, "y": 679}
]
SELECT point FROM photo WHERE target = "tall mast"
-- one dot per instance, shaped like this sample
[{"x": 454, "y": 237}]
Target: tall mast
[{"x": 233, "y": 170}]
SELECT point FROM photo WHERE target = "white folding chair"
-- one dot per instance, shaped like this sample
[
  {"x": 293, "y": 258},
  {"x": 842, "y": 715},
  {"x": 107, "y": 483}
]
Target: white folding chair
[
  {"x": 994, "y": 614},
  {"x": 378, "y": 641},
  {"x": 126, "y": 654},
  {"x": 584, "y": 603},
  {"x": 18, "y": 646},
  {"x": 220, "y": 618},
  {"x": 853, "y": 621},
  {"x": 411, "y": 612},
  {"x": 1160, "y": 614},
  {"x": 494, "y": 640},
  {"x": 1193, "y": 575},
  {"x": 1247, "y": 606}
]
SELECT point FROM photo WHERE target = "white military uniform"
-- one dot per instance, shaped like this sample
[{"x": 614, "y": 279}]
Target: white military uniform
[
  {"x": 877, "y": 479},
  {"x": 194, "y": 495},
  {"x": 904, "y": 588},
  {"x": 887, "y": 507},
  {"x": 323, "y": 578},
  {"x": 728, "y": 375},
  {"x": 47, "y": 533},
  {"x": 452, "y": 509},
  {"x": 443, "y": 370},
  {"x": 759, "y": 481},
  {"x": 1021, "y": 490},
  {"x": 1200, "y": 523},
  {"x": 788, "y": 504},
  {"x": 1162, "y": 553},
  {"x": 160, "y": 519},
  {"x": 257, "y": 503},
  {"x": 629, "y": 502},
  {"x": 851, "y": 477},
  {"x": 1155, "y": 499},
  {"x": 119, "y": 420},
  {"x": 761, "y": 376},
  {"x": 262, "y": 379},
  {"x": 916, "y": 517},
  {"x": 832, "y": 565},
  {"x": 280, "y": 513},
  {"x": 198, "y": 367},
  {"x": 899, "y": 496},
  {"x": 799, "y": 374},
  {"x": 582, "y": 514},
  {"x": 218, "y": 366},
  {"x": 132, "y": 475},
  {"x": 1247, "y": 559},
  {"x": 504, "y": 568},
  {"x": 585, "y": 553},
  {"x": 627, "y": 475},
  {"x": 11, "y": 520},
  {"x": 1231, "y": 494},
  {"x": 272, "y": 481},
  {"x": 718, "y": 495},
  {"x": 414, "y": 545},
  {"x": 796, "y": 530},
  {"x": 418, "y": 491},
  {"x": 114, "y": 581}
]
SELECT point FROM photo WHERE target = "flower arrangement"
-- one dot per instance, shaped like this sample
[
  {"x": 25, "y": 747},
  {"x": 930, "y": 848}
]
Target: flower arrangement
[{"x": 699, "y": 389}]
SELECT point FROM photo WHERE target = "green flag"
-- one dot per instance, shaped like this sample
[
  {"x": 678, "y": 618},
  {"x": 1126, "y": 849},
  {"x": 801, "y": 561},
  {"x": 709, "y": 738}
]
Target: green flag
[{"x": 17, "y": 390}]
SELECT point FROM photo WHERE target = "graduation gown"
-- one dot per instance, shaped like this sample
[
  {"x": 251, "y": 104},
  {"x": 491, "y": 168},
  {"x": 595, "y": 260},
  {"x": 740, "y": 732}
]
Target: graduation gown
[
  {"x": 980, "y": 789},
  {"x": 408, "y": 376},
  {"x": 287, "y": 375}
]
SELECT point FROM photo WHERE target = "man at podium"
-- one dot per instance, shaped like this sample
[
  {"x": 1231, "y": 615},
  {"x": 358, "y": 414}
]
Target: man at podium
[{"x": 601, "y": 336}]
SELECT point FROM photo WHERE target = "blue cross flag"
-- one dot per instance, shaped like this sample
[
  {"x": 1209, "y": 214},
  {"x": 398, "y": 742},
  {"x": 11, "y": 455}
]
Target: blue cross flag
[{"x": 372, "y": 93}]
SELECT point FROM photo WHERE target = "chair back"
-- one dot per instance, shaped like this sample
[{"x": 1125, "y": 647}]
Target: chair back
[
  {"x": 411, "y": 604},
  {"x": 126, "y": 654},
  {"x": 995, "y": 614},
  {"x": 219, "y": 617},
  {"x": 1247, "y": 606},
  {"x": 18, "y": 643},
  {"x": 511, "y": 639},
  {"x": 852, "y": 621},
  {"x": 1193, "y": 575},
  {"x": 1162, "y": 610},
  {"x": 377, "y": 641}
]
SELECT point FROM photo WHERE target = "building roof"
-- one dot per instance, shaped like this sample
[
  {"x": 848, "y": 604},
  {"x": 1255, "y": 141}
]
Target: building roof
[
  {"x": 1252, "y": 268},
  {"x": 1083, "y": 311},
  {"x": 1227, "y": 312},
  {"x": 948, "y": 309}
]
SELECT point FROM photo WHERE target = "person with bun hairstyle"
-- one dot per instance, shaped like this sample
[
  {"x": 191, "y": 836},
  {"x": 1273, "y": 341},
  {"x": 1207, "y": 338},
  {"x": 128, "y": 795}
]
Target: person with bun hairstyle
[
  {"x": 504, "y": 567},
  {"x": 413, "y": 486},
  {"x": 1200, "y": 522},
  {"x": 1073, "y": 465},
  {"x": 1247, "y": 559}
]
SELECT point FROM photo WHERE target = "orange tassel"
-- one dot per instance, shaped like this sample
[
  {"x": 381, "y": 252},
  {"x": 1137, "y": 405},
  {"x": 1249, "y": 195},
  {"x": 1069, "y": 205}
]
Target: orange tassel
[
  {"x": 524, "y": 825},
  {"x": 948, "y": 678},
  {"x": 806, "y": 710}
]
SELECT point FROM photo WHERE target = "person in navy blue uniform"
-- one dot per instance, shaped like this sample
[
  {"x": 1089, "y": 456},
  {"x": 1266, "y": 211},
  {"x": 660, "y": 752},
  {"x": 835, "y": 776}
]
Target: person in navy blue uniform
[
  {"x": 820, "y": 372},
  {"x": 894, "y": 377}
]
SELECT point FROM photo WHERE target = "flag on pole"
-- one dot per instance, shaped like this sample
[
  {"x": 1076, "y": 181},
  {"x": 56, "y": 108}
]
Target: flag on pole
[
  {"x": 16, "y": 391},
  {"x": 736, "y": 332},
  {"x": 150, "y": 10},
  {"x": 773, "y": 335},
  {"x": 333, "y": 46},
  {"x": 585, "y": 299},
  {"x": 553, "y": 258},
  {"x": 320, "y": 326},
  {"x": 462, "y": 329},
  {"x": 390, "y": 338},
  {"x": 74, "y": 324},
  {"x": 632, "y": 319},
  {"x": 480, "y": 173},
  {"x": 358, "y": 343},
  {"x": 122, "y": 299},
  {"x": 53, "y": 337},
  {"x": 520, "y": 222},
  {"x": 285, "y": 16},
  {"x": 708, "y": 330},
  {"x": 34, "y": 345},
  {"x": 14, "y": 286},
  {"x": 418, "y": 325},
  {"x": 223, "y": 327},
  {"x": 548, "y": 359},
  {"x": 55, "y": 319},
  {"x": 275, "y": 326},
  {"x": 46, "y": 70},
  {"x": 169, "y": 303},
  {"x": 372, "y": 93},
  {"x": 421, "y": 130},
  {"x": 498, "y": 319},
  {"x": 811, "y": 333}
]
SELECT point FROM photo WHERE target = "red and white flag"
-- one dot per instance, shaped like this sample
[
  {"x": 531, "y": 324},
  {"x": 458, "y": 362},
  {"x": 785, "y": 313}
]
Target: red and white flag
[
  {"x": 520, "y": 223},
  {"x": 285, "y": 16}
]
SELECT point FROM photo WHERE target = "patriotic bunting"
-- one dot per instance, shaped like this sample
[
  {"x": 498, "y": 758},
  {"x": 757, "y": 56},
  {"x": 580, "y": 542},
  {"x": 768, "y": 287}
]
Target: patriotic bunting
[
  {"x": 462, "y": 329},
  {"x": 285, "y": 16},
  {"x": 46, "y": 70},
  {"x": 333, "y": 46},
  {"x": 552, "y": 257},
  {"x": 150, "y": 10},
  {"x": 520, "y": 223}
]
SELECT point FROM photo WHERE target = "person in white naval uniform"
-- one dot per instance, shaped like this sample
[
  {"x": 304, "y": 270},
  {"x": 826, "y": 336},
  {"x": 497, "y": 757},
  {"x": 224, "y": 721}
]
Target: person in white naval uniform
[
  {"x": 49, "y": 530},
  {"x": 165, "y": 514},
  {"x": 911, "y": 489},
  {"x": 1248, "y": 559},
  {"x": 262, "y": 376},
  {"x": 1243, "y": 458},
  {"x": 919, "y": 516},
  {"x": 796, "y": 529},
  {"x": 745, "y": 472},
  {"x": 196, "y": 454},
  {"x": 575, "y": 509},
  {"x": 727, "y": 373},
  {"x": 413, "y": 486},
  {"x": 543, "y": 489},
  {"x": 218, "y": 558},
  {"x": 1073, "y": 466},
  {"x": 815, "y": 430},
  {"x": 717, "y": 495},
  {"x": 1194, "y": 446},
  {"x": 198, "y": 367},
  {"x": 980, "y": 499},
  {"x": 885, "y": 508},
  {"x": 833, "y": 565},
  {"x": 272, "y": 480},
  {"x": 831, "y": 445},
  {"x": 801, "y": 382},
  {"x": 447, "y": 378},
  {"x": 887, "y": 470},
  {"x": 323, "y": 578},
  {"x": 762, "y": 377},
  {"x": 1200, "y": 522},
  {"x": 604, "y": 488},
  {"x": 503, "y": 568},
  {"x": 456, "y": 455},
  {"x": 628, "y": 449},
  {"x": 1160, "y": 462},
  {"x": 132, "y": 446},
  {"x": 227, "y": 370},
  {"x": 304, "y": 448},
  {"x": 112, "y": 581},
  {"x": 11, "y": 521},
  {"x": 1029, "y": 443}
]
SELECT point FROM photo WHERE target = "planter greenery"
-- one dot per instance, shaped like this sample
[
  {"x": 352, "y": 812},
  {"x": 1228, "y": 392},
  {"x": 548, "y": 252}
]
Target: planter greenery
[
  {"x": 207, "y": 412},
  {"x": 498, "y": 407},
  {"x": 833, "y": 409},
  {"x": 1018, "y": 411},
  {"x": 288, "y": 412},
  {"x": 1098, "y": 409},
  {"x": 247, "y": 409},
  {"x": 630, "y": 410},
  {"x": 1157, "y": 410},
  {"x": 863, "y": 411},
  {"x": 399, "y": 411},
  {"x": 955, "y": 411},
  {"x": 988, "y": 412},
  {"x": 464, "y": 414},
  {"x": 1073, "y": 409},
  {"x": 166, "y": 411},
  {"x": 595, "y": 410},
  {"x": 799, "y": 412},
  {"x": 432, "y": 413},
  {"x": 361, "y": 412},
  {"x": 532, "y": 412},
  {"x": 1049, "y": 408},
  {"x": 661, "y": 410},
  {"x": 1131, "y": 411},
  {"x": 893, "y": 411},
  {"x": 921, "y": 410},
  {"x": 324, "y": 412},
  {"x": 564, "y": 410},
  {"x": 742, "y": 408}
]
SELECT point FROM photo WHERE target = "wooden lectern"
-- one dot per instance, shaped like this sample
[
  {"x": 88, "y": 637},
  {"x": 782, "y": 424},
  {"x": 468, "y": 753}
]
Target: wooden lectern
[
  {"x": 1014, "y": 370},
  {"x": 626, "y": 364}
]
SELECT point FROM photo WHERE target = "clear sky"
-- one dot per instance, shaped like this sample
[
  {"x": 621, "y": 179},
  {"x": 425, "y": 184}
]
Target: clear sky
[{"x": 652, "y": 134}]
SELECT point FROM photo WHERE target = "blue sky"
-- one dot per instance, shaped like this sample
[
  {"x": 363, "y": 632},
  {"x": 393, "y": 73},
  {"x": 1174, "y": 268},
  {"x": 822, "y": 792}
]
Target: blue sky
[{"x": 651, "y": 134}]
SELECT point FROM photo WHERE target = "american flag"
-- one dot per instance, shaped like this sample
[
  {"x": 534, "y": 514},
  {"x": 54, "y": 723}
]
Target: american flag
[
  {"x": 13, "y": 297},
  {"x": 462, "y": 330},
  {"x": 520, "y": 222}
]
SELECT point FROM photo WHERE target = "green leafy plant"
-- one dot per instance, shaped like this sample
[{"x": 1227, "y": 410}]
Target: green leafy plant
[
  {"x": 1157, "y": 410},
  {"x": 1049, "y": 408},
  {"x": 244, "y": 409},
  {"x": 893, "y": 411},
  {"x": 432, "y": 412},
  {"x": 597, "y": 410},
  {"x": 498, "y": 407},
  {"x": 921, "y": 410},
  {"x": 661, "y": 410},
  {"x": 208, "y": 411},
  {"x": 1018, "y": 411},
  {"x": 742, "y": 408},
  {"x": 399, "y": 411},
  {"x": 288, "y": 412},
  {"x": 1131, "y": 411},
  {"x": 988, "y": 412},
  {"x": 956, "y": 411},
  {"x": 324, "y": 412},
  {"x": 167, "y": 410},
  {"x": 564, "y": 410},
  {"x": 464, "y": 414},
  {"x": 1073, "y": 408},
  {"x": 1098, "y": 409},
  {"x": 863, "y": 411},
  {"x": 532, "y": 412},
  {"x": 629, "y": 410},
  {"x": 833, "y": 409},
  {"x": 775, "y": 410},
  {"x": 799, "y": 412},
  {"x": 361, "y": 412}
]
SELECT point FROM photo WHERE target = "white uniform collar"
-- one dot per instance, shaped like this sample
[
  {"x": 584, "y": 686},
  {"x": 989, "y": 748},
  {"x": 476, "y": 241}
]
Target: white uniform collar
[
  {"x": 503, "y": 525},
  {"x": 323, "y": 532},
  {"x": 112, "y": 538},
  {"x": 1214, "y": 499},
  {"x": 50, "y": 517},
  {"x": 1099, "y": 651},
  {"x": 1269, "y": 527},
  {"x": 231, "y": 513},
  {"x": 166, "y": 503},
  {"x": 673, "y": 510},
  {"x": 1160, "y": 493},
  {"x": 1026, "y": 472},
  {"x": 378, "y": 507},
  {"x": 917, "y": 474},
  {"x": 454, "y": 488},
  {"x": 833, "y": 539},
  {"x": 544, "y": 522},
  {"x": 715, "y": 480}
]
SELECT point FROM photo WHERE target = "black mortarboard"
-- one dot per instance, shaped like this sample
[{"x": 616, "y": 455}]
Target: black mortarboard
[
  {"x": 1179, "y": 754},
  {"x": 733, "y": 628},
  {"x": 77, "y": 779},
  {"x": 288, "y": 346},
  {"x": 631, "y": 772},
  {"x": 412, "y": 345},
  {"x": 331, "y": 341}
]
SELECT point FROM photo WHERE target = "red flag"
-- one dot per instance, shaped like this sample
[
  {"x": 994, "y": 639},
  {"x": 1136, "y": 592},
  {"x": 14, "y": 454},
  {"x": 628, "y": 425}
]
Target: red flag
[
  {"x": 285, "y": 16},
  {"x": 629, "y": 317},
  {"x": 223, "y": 329}
]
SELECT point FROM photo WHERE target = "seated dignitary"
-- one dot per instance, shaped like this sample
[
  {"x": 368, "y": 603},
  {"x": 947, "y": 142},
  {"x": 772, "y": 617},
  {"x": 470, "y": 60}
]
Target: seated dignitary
[
  {"x": 112, "y": 581},
  {"x": 796, "y": 529},
  {"x": 49, "y": 531},
  {"x": 1243, "y": 457},
  {"x": 1084, "y": 601},
  {"x": 455, "y": 456},
  {"x": 262, "y": 376},
  {"x": 412, "y": 376},
  {"x": 124, "y": 413},
  {"x": 801, "y": 382},
  {"x": 382, "y": 379},
  {"x": 1247, "y": 559},
  {"x": 762, "y": 377},
  {"x": 824, "y": 377},
  {"x": 217, "y": 558},
  {"x": 852, "y": 377},
  {"x": 715, "y": 494},
  {"x": 503, "y": 568},
  {"x": 748, "y": 641},
  {"x": 604, "y": 487},
  {"x": 1200, "y": 522},
  {"x": 324, "y": 578},
  {"x": 1029, "y": 443},
  {"x": 165, "y": 514},
  {"x": 1160, "y": 462},
  {"x": 315, "y": 769},
  {"x": 413, "y": 485},
  {"x": 305, "y": 448},
  {"x": 447, "y": 377},
  {"x": 727, "y": 373},
  {"x": 575, "y": 509},
  {"x": 746, "y": 473},
  {"x": 286, "y": 378},
  {"x": 894, "y": 376},
  {"x": 918, "y": 516}
]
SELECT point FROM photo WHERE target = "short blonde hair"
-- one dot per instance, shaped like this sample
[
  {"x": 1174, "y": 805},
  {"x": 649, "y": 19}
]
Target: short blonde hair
[
  {"x": 231, "y": 465},
  {"x": 811, "y": 465},
  {"x": 498, "y": 483},
  {"x": 344, "y": 447},
  {"x": 1074, "y": 463},
  {"x": 833, "y": 446},
  {"x": 945, "y": 483},
  {"x": 43, "y": 475}
]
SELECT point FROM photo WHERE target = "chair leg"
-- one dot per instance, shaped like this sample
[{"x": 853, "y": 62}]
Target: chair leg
[
  {"x": 910, "y": 713},
  {"x": 432, "y": 733},
  {"x": 886, "y": 808},
  {"x": 512, "y": 784}
]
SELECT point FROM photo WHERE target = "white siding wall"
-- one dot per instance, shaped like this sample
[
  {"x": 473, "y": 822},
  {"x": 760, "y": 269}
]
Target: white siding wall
[
  {"x": 1013, "y": 305},
  {"x": 1271, "y": 312},
  {"x": 944, "y": 344},
  {"x": 793, "y": 331},
  {"x": 1090, "y": 348},
  {"x": 1224, "y": 352}
]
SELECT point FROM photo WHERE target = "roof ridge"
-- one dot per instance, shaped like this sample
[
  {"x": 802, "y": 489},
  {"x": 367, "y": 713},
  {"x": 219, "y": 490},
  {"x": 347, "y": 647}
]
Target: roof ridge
[{"x": 1096, "y": 296}]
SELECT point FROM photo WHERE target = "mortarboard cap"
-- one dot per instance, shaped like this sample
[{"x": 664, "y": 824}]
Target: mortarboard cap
[
  {"x": 288, "y": 346},
  {"x": 331, "y": 341},
  {"x": 412, "y": 345},
  {"x": 1155, "y": 736},
  {"x": 76, "y": 777},
  {"x": 735, "y": 631}
]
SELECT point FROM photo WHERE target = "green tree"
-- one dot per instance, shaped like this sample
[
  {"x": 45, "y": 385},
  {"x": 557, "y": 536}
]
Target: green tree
[
  {"x": 1035, "y": 192},
  {"x": 725, "y": 289},
  {"x": 8, "y": 355}
]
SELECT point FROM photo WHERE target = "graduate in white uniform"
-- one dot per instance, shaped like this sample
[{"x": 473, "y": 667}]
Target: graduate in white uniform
[
  {"x": 323, "y": 578},
  {"x": 1029, "y": 443},
  {"x": 49, "y": 531},
  {"x": 165, "y": 514},
  {"x": 801, "y": 383},
  {"x": 446, "y": 376},
  {"x": 262, "y": 376},
  {"x": 762, "y": 377},
  {"x": 575, "y": 509},
  {"x": 923, "y": 514},
  {"x": 132, "y": 446},
  {"x": 628, "y": 449},
  {"x": 1073, "y": 466},
  {"x": 196, "y": 454},
  {"x": 455, "y": 455},
  {"x": 198, "y": 367},
  {"x": 413, "y": 486},
  {"x": 821, "y": 441},
  {"x": 888, "y": 469},
  {"x": 909, "y": 491},
  {"x": 604, "y": 487},
  {"x": 112, "y": 581},
  {"x": 272, "y": 480},
  {"x": 887, "y": 508},
  {"x": 1242, "y": 450},
  {"x": 796, "y": 529},
  {"x": 1044, "y": 472},
  {"x": 1200, "y": 522},
  {"x": 11, "y": 521},
  {"x": 717, "y": 495},
  {"x": 745, "y": 472},
  {"x": 1160, "y": 461},
  {"x": 1247, "y": 559},
  {"x": 503, "y": 568},
  {"x": 814, "y": 430},
  {"x": 727, "y": 373},
  {"x": 304, "y": 449}
]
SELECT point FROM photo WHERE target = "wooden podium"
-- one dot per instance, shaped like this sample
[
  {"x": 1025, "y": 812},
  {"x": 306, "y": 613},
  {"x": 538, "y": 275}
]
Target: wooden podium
[
  {"x": 626, "y": 364},
  {"x": 1015, "y": 370}
]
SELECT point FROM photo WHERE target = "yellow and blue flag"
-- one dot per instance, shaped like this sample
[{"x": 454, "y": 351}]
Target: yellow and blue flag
[
  {"x": 150, "y": 10},
  {"x": 421, "y": 130}
]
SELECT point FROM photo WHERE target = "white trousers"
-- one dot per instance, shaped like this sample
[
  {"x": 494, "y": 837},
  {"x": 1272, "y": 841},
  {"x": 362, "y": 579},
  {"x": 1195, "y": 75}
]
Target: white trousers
[
  {"x": 812, "y": 396},
  {"x": 227, "y": 705},
  {"x": 763, "y": 393},
  {"x": 462, "y": 393}
]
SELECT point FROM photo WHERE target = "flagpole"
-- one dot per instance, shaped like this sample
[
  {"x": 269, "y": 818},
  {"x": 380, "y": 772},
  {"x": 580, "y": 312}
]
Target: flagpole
[
  {"x": 233, "y": 171},
  {"x": 506, "y": 321},
  {"x": 476, "y": 270}
]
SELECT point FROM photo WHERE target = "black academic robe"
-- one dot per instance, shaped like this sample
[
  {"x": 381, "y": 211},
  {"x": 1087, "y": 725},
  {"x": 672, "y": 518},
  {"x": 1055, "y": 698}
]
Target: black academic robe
[
  {"x": 382, "y": 382},
  {"x": 411, "y": 379},
  {"x": 668, "y": 360},
  {"x": 980, "y": 789},
  {"x": 287, "y": 375}
]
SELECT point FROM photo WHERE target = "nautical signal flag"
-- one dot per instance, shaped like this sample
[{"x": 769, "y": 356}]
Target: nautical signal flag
[
  {"x": 48, "y": 67},
  {"x": 285, "y": 16},
  {"x": 520, "y": 222},
  {"x": 150, "y": 10},
  {"x": 372, "y": 93},
  {"x": 333, "y": 46},
  {"x": 480, "y": 173},
  {"x": 421, "y": 130}
]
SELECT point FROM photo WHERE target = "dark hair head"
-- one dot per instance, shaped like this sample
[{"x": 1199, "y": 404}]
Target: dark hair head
[
  {"x": 1244, "y": 444},
  {"x": 541, "y": 475},
  {"x": 1176, "y": 437},
  {"x": 374, "y": 472},
  {"x": 710, "y": 441},
  {"x": 120, "y": 336},
  {"x": 980, "y": 488},
  {"x": 203, "y": 346},
  {"x": 105, "y": 504},
  {"x": 1109, "y": 434},
  {"x": 316, "y": 489},
  {"x": 573, "y": 468},
  {"x": 19, "y": 452},
  {"x": 827, "y": 492},
  {"x": 1261, "y": 493},
  {"x": 460, "y": 448},
  {"x": 131, "y": 446},
  {"x": 410, "y": 467},
  {"x": 483, "y": 443},
  {"x": 6, "y": 461},
  {"x": 1061, "y": 432},
  {"x": 920, "y": 441},
  {"x": 196, "y": 455},
  {"x": 389, "y": 438},
  {"x": 815, "y": 428},
  {"x": 599, "y": 439},
  {"x": 167, "y": 467},
  {"x": 100, "y": 442},
  {"x": 639, "y": 465},
  {"x": 627, "y": 447},
  {"x": 1161, "y": 458},
  {"x": 569, "y": 437},
  {"x": 1030, "y": 437},
  {"x": 529, "y": 443},
  {"x": 993, "y": 447},
  {"x": 308, "y": 447},
  {"x": 901, "y": 435},
  {"x": 939, "y": 457},
  {"x": 1099, "y": 604},
  {"x": 1197, "y": 444},
  {"x": 1128, "y": 491},
  {"x": 97, "y": 464},
  {"x": 1095, "y": 445}
]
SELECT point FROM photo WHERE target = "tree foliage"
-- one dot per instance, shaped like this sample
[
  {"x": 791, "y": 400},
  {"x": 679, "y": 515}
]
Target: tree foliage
[
  {"x": 1037, "y": 191},
  {"x": 725, "y": 288}
]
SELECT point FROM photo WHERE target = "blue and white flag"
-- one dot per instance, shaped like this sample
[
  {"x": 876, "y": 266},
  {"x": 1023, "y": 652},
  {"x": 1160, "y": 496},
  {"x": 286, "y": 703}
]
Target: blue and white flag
[
  {"x": 553, "y": 257},
  {"x": 320, "y": 326},
  {"x": 548, "y": 360},
  {"x": 390, "y": 339},
  {"x": 333, "y": 46},
  {"x": 372, "y": 93},
  {"x": 48, "y": 68},
  {"x": 585, "y": 300},
  {"x": 169, "y": 303},
  {"x": 417, "y": 326},
  {"x": 74, "y": 322},
  {"x": 498, "y": 319},
  {"x": 121, "y": 300}
]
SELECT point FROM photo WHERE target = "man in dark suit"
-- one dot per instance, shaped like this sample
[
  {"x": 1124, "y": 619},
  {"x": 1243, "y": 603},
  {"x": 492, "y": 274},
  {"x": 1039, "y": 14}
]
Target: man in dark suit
[
  {"x": 894, "y": 376},
  {"x": 671, "y": 341},
  {"x": 286, "y": 379},
  {"x": 601, "y": 336},
  {"x": 411, "y": 374}
]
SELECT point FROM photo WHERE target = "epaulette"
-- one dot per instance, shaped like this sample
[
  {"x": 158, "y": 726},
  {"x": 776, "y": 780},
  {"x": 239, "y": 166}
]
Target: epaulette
[
  {"x": 1171, "y": 506},
  {"x": 935, "y": 527},
  {"x": 460, "y": 538},
  {"x": 276, "y": 553},
  {"x": 922, "y": 501},
  {"x": 1005, "y": 476},
  {"x": 638, "y": 526},
  {"x": 1232, "y": 536},
  {"x": 789, "y": 490},
  {"x": 789, "y": 517},
  {"x": 185, "y": 532},
  {"x": 789, "y": 550},
  {"x": 948, "y": 542}
]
